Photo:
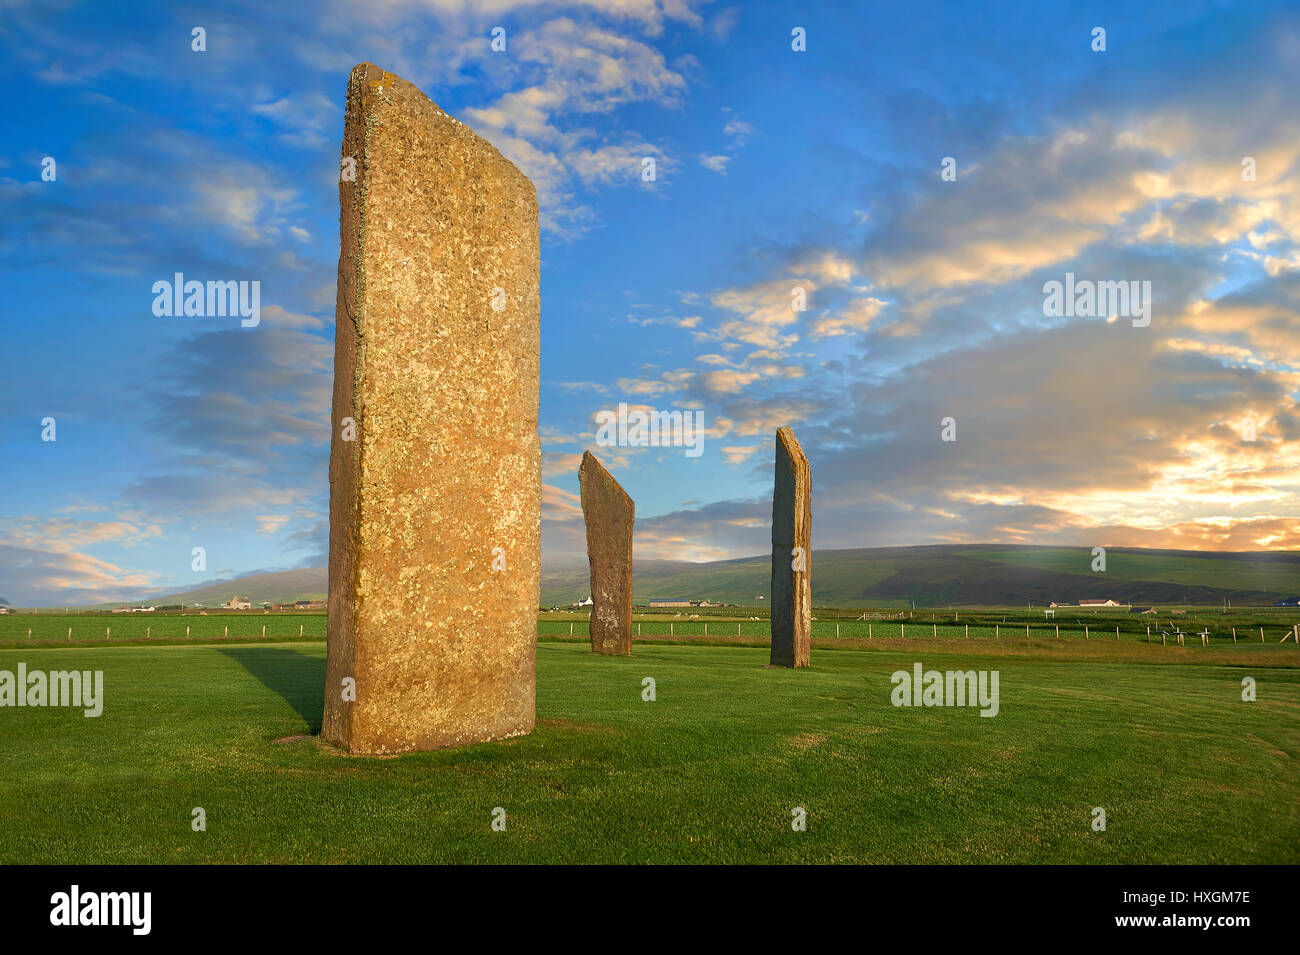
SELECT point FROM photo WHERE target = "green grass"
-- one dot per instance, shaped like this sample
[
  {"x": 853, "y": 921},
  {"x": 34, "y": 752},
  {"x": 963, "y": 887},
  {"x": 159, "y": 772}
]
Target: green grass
[
  {"x": 709, "y": 772},
  {"x": 112, "y": 628},
  {"x": 719, "y": 625}
]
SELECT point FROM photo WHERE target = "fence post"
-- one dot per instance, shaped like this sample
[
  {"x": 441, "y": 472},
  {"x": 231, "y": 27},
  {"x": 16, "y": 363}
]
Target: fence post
[
  {"x": 227, "y": 631},
  {"x": 187, "y": 632},
  {"x": 147, "y": 632},
  {"x": 1058, "y": 631},
  {"x": 263, "y": 631},
  {"x": 868, "y": 629},
  {"x": 934, "y": 630},
  {"x": 108, "y": 633},
  {"x": 706, "y": 629},
  {"x": 1261, "y": 634},
  {"x": 997, "y": 631},
  {"x": 967, "y": 631},
  {"x": 1234, "y": 634},
  {"x": 1085, "y": 632},
  {"x": 902, "y": 631},
  {"x": 570, "y": 628},
  {"x": 1116, "y": 631},
  {"x": 1026, "y": 631},
  {"x": 1163, "y": 643},
  {"x": 837, "y": 631}
]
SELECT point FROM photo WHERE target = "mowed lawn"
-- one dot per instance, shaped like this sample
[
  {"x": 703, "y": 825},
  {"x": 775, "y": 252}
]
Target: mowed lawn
[{"x": 708, "y": 772}]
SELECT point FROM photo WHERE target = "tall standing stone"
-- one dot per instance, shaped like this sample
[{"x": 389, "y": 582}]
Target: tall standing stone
[
  {"x": 435, "y": 465},
  {"x": 791, "y": 555},
  {"x": 609, "y": 513}
]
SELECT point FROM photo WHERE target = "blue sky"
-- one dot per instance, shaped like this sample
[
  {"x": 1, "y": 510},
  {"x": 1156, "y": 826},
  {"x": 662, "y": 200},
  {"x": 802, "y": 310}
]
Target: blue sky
[{"x": 776, "y": 169}]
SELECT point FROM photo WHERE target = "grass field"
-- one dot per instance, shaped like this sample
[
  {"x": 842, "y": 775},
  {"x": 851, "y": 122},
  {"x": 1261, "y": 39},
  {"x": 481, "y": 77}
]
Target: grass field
[
  {"x": 719, "y": 625},
  {"x": 708, "y": 772}
]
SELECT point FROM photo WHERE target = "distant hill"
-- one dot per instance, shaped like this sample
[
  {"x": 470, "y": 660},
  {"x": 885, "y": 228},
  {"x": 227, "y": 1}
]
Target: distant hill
[
  {"x": 932, "y": 575},
  {"x": 969, "y": 575},
  {"x": 283, "y": 586}
]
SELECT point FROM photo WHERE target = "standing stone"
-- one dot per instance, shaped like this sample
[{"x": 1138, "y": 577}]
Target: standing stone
[
  {"x": 609, "y": 513},
  {"x": 435, "y": 465},
  {"x": 791, "y": 555}
]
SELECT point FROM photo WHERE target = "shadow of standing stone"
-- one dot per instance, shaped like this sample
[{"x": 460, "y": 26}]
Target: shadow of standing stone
[
  {"x": 435, "y": 463},
  {"x": 609, "y": 514},
  {"x": 791, "y": 555}
]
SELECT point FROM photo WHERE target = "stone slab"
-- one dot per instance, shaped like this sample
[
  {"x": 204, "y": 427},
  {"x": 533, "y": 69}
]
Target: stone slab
[
  {"x": 791, "y": 607},
  {"x": 435, "y": 505},
  {"x": 609, "y": 514}
]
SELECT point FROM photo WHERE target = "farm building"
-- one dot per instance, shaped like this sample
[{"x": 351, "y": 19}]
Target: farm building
[
  {"x": 1100, "y": 603},
  {"x": 238, "y": 603},
  {"x": 669, "y": 602}
]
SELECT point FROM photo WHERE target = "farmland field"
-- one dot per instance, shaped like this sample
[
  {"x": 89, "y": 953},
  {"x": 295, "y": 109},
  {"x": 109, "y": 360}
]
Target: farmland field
[
  {"x": 710, "y": 771},
  {"x": 161, "y": 627},
  {"x": 717, "y": 625}
]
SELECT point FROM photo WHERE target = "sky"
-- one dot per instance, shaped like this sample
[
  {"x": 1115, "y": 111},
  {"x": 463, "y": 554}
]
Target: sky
[{"x": 1170, "y": 157}]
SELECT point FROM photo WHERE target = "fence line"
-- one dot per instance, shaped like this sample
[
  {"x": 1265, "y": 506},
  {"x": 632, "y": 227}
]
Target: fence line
[
  {"x": 758, "y": 630},
  {"x": 843, "y": 629}
]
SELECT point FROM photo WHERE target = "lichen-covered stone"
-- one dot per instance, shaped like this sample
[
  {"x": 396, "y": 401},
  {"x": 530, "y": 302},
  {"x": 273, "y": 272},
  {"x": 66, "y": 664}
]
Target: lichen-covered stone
[
  {"x": 791, "y": 555},
  {"x": 609, "y": 514},
  {"x": 435, "y": 506}
]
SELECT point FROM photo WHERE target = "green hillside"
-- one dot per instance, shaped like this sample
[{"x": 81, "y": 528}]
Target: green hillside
[
  {"x": 932, "y": 576},
  {"x": 968, "y": 575},
  {"x": 284, "y": 586}
]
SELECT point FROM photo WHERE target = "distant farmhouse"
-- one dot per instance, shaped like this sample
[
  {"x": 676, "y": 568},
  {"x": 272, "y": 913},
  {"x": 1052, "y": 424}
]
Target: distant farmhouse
[
  {"x": 238, "y": 603},
  {"x": 1090, "y": 603},
  {"x": 303, "y": 605},
  {"x": 661, "y": 603}
]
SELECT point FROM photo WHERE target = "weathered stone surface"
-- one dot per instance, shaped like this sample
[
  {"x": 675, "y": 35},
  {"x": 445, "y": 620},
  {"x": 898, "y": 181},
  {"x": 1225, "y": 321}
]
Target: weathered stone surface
[
  {"x": 435, "y": 507},
  {"x": 609, "y": 514},
  {"x": 791, "y": 555}
]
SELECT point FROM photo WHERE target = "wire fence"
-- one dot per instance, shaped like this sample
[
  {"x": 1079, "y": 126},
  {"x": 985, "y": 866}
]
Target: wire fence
[
  {"x": 19, "y": 630},
  {"x": 913, "y": 630}
]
